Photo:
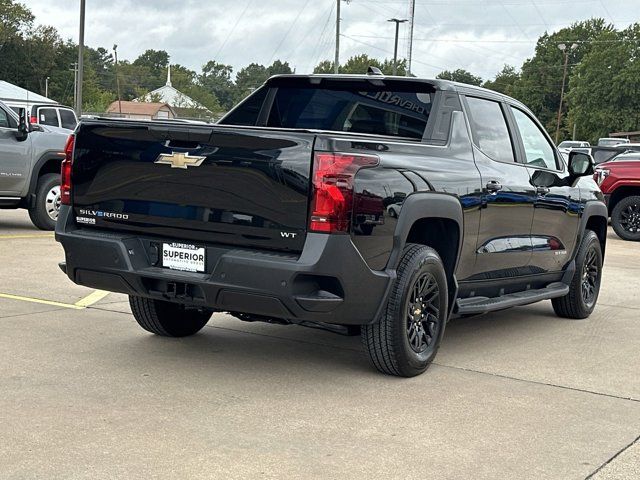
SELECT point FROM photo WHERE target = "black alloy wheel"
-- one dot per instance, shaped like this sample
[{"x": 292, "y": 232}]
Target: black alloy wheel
[
  {"x": 405, "y": 340},
  {"x": 590, "y": 277},
  {"x": 625, "y": 218},
  {"x": 584, "y": 287},
  {"x": 630, "y": 218},
  {"x": 423, "y": 312}
]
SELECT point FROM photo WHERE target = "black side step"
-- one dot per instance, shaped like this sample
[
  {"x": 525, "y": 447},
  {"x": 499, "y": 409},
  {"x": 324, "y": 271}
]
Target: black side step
[{"x": 478, "y": 305}]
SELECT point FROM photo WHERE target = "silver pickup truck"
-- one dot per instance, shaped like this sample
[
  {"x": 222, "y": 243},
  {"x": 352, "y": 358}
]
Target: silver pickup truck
[{"x": 30, "y": 158}]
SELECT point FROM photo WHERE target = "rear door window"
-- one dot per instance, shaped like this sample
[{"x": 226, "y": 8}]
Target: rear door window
[
  {"x": 490, "y": 132},
  {"x": 68, "y": 119},
  {"x": 361, "y": 109},
  {"x": 48, "y": 116},
  {"x": 538, "y": 150},
  {"x": 4, "y": 119}
]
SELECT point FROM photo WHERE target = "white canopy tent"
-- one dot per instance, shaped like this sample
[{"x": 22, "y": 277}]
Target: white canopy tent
[{"x": 12, "y": 94}]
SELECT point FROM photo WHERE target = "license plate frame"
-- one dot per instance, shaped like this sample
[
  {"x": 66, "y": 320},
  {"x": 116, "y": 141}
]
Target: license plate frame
[{"x": 183, "y": 257}]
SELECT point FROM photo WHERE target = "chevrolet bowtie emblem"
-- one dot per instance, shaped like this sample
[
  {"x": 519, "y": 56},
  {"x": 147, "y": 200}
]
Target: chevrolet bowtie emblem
[{"x": 180, "y": 160}]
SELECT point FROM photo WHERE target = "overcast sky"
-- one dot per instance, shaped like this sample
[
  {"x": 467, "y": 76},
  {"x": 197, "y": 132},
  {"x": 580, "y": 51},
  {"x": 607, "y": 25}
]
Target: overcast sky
[{"x": 478, "y": 35}]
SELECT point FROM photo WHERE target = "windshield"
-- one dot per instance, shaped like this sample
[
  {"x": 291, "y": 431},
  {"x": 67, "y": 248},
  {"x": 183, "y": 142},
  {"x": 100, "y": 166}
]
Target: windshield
[
  {"x": 571, "y": 144},
  {"x": 365, "y": 110},
  {"x": 609, "y": 142}
]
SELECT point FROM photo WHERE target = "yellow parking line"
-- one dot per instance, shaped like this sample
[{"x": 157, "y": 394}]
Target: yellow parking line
[
  {"x": 41, "y": 301},
  {"x": 92, "y": 298},
  {"x": 87, "y": 301},
  {"x": 34, "y": 235}
]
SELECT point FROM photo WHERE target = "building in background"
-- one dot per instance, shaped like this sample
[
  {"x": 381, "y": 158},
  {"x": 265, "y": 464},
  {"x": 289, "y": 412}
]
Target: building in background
[
  {"x": 632, "y": 136},
  {"x": 141, "y": 110},
  {"x": 183, "y": 105}
]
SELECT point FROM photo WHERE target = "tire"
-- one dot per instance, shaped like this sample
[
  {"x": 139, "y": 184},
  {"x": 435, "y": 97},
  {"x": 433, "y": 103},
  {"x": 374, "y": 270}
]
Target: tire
[
  {"x": 168, "y": 319},
  {"x": 45, "y": 211},
  {"x": 390, "y": 344},
  {"x": 579, "y": 303},
  {"x": 625, "y": 218}
]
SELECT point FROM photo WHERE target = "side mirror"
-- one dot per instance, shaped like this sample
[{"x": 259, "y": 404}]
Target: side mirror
[
  {"x": 23, "y": 128},
  {"x": 580, "y": 164}
]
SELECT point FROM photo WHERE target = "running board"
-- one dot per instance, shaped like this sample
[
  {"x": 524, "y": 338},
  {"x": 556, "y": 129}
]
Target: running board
[{"x": 478, "y": 305}]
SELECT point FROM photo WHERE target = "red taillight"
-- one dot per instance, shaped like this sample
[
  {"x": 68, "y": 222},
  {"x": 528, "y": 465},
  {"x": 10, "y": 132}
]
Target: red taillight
[
  {"x": 65, "y": 173},
  {"x": 33, "y": 120},
  {"x": 332, "y": 197}
]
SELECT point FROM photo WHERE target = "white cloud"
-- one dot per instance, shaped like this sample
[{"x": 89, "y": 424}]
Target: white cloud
[{"x": 480, "y": 36}]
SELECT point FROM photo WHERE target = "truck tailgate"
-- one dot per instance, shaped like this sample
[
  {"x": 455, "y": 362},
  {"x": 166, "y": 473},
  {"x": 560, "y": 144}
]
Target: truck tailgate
[{"x": 215, "y": 184}]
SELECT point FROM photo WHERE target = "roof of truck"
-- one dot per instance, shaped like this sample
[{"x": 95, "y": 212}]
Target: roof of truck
[{"x": 439, "y": 84}]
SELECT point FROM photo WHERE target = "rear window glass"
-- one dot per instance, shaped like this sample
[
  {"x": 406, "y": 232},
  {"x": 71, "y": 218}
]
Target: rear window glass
[
  {"x": 248, "y": 111},
  {"x": 48, "y": 116},
  {"x": 68, "y": 119},
  {"x": 365, "y": 110}
]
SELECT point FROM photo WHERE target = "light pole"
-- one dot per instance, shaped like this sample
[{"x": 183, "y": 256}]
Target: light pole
[
  {"x": 336, "y": 61},
  {"x": 566, "y": 52},
  {"x": 115, "y": 54},
  {"x": 80, "y": 73},
  {"x": 397, "y": 21},
  {"x": 46, "y": 87},
  {"x": 411, "y": 25}
]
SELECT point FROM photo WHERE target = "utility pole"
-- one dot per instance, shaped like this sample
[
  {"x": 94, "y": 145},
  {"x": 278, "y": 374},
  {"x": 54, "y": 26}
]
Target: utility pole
[
  {"x": 412, "y": 9},
  {"x": 395, "y": 48},
  {"x": 115, "y": 53},
  {"x": 336, "y": 61},
  {"x": 80, "y": 74},
  {"x": 46, "y": 87},
  {"x": 566, "y": 52},
  {"x": 74, "y": 69}
]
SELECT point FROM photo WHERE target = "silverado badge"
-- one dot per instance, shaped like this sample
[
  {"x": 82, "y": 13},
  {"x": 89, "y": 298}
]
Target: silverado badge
[{"x": 180, "y": 160}]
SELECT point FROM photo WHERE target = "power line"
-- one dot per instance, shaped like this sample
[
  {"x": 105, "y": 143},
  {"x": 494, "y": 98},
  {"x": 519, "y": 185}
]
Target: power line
[
  {"x": 388, "y": 52},
  {"x": 288, "y": 31},
  {"x": 321, "y": 39},
  {"x": 460, "y": 40},
  {"x": 233, "y": 29}
]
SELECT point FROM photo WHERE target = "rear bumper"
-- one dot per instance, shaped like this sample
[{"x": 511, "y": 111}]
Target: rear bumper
[{"x": 329, "y": 282}]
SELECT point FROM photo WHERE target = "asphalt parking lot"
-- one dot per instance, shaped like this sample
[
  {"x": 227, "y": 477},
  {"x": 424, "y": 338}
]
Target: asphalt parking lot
[{"x": 518, "y": 394}]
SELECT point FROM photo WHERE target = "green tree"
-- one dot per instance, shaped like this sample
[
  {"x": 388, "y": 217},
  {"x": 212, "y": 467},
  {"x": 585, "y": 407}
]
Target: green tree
[
  {"x": 460, "y": 75},
  {"x": 14, "y": 19},
  {"x": 505, "y": 81},
  {"x": 359, "y": 64},
  {"x": 604, "y": 91},
  {"x": 216, "y": 79},
  {"x": 249, "y": 78},
  {"x": 541, "y": 76},
  {"x": 279, "y": 68},
  {"x": 156, "y": 61}
]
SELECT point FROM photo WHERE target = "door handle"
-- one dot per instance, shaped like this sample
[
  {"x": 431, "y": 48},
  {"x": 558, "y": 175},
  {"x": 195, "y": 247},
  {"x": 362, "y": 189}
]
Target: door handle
[
  {"x": 494, "y": 186},
  {"x": 542, "y": 190}
]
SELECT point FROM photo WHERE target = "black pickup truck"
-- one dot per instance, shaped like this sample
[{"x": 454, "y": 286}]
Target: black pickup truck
[{"x": 367, "y": 203}]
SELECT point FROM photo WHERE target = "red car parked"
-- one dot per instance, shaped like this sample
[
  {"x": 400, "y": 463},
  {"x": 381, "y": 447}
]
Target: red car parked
[{"x": 619, "y": 180}]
